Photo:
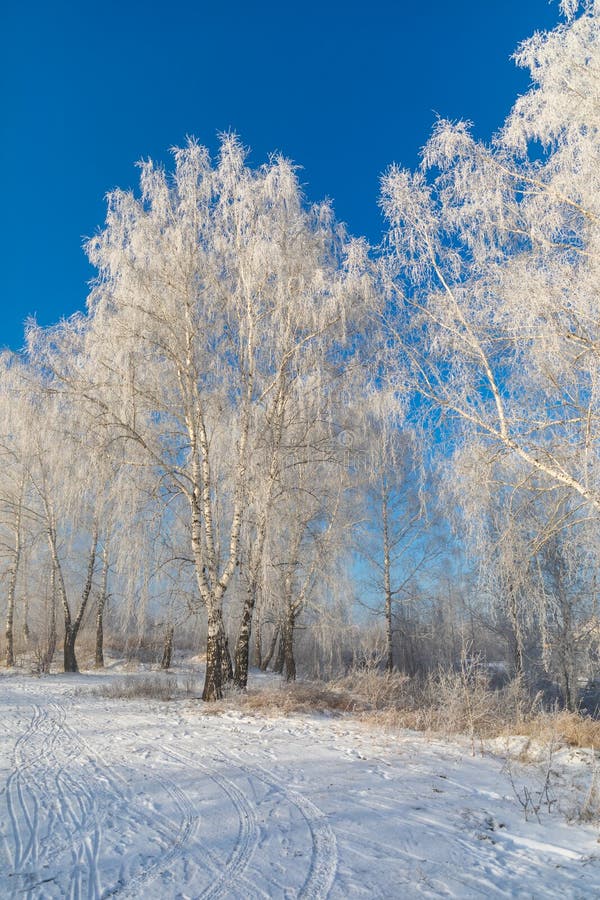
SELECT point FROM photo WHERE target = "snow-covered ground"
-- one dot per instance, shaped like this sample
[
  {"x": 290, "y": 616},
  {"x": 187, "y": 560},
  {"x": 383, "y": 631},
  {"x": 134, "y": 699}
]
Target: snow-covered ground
[{"x": 147, "y": 799}]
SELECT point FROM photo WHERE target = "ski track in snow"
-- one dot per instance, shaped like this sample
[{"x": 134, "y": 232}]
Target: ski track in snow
[
  {"x": 58, "y": 795},
  {"x": 48, "y": 808},
  {"x": 130, "y": 799}
]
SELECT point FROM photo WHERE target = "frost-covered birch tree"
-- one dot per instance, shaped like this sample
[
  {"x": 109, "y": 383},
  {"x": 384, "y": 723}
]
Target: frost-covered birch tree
[
  {"x": 69, "y": 498},
  {"x": 212, "y": 285},
  {"x": 496, "y": 256},
  {"x": 391, "y": 536},
  {"x": 15, "y": 515}
]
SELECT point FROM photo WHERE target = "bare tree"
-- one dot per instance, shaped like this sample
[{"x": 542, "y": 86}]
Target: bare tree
[
  {"x": 309, "y": 526},
  {"x": 17, "y": 549}
]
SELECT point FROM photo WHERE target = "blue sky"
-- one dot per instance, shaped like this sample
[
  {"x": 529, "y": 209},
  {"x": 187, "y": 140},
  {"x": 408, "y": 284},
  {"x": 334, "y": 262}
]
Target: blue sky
[{"x": 343, "y": 89}]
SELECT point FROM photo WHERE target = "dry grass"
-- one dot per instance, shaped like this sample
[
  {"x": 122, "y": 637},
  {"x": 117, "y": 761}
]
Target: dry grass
[
  {"x": 462, "y": 703},
  {"x": 377, "y": 690},
  {"x": 569, "y": 728},
  {"x": 151, "y": 687},
  {"x": 300, "y": 698},
  {"x": 444, "y": 702},
  {"x": 295, "y": 698}
]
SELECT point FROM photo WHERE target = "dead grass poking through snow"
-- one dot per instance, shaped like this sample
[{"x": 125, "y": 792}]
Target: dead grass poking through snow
[
  {"x": 151, "y": 687},
  {"x": 296, "y": 698},
  {"x": 568, "y": 727},
  {"x": 444, "y": 702},
  {"x": 301, "y": 698},
  {"x": 457, "y": 703}
]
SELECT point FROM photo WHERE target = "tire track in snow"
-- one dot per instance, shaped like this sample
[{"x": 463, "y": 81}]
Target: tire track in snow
[
  {"x": 248, "y": 832},
  {"x": 324, "y": 860},
  {"x": 185, "y": 828},
  {"x": 58, "y": 795},
  {"x": 35, "y": 759},
  {"x": 72, "y": 801},
  {"x": 75, "y": 809},
  {"x": 80, "y": 803},
  {"x": 118, "y": 787}
]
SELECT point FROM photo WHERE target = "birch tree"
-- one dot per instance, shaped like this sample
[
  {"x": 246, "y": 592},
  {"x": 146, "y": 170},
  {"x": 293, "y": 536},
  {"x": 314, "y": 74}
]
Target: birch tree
[
  {"x": 535, "y": 550},
  {"x": 309, "y": 525},
  {"x": 210, "y": 285},
  {"x": 15, "y": 515},
  {"x": 495, "y": 268},
  {"x": 298, "y": 439},
  {"x": 391, "y": 537},
  {"x": 62, "y": 476}
]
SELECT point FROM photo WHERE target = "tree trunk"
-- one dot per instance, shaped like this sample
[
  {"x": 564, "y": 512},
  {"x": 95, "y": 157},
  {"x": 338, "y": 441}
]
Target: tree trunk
[
  {"x": 102, "y": 600},
  {"x": 26, "y": 618},
  {"x": 567, "y": 651},
  {"x": 51, "y": 647},
  {"x": 516, "y": 636},
  {"x": 517, "y": 655},
  {"x": 72, "y": 627},
  {"x": 99, "y": 656},
  {"x": 567, "y": 687},
  {"x": 258, "y": 644},
  {"x": 12, "y": 587},
  {"x": 266, "y": 661},
  {"x": 242, "y": 647},
  {"x": 213, "y": 688},
  {"x": 389, "y": 634},
  {"x": 280, "y": 658},
  {"x": 387, "y": 585},
  {"x": 218, "y": 662},
  {"x": 288, "y": 647},
  {"x": 226, "y": 663},
  {"x": 69, "y": 658},
  {"x": 10, "y": 613},
  {"x": 566, "y": 666},
  {"x": 168, "y": 648}
]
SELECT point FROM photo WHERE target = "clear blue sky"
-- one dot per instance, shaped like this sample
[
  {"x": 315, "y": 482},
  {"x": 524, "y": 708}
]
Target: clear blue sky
[{"x": 343, "y": 89}]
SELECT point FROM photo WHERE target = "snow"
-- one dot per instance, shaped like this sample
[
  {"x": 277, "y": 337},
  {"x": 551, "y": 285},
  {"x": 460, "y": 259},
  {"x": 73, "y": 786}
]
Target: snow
[{"x": 146, "y": 799}]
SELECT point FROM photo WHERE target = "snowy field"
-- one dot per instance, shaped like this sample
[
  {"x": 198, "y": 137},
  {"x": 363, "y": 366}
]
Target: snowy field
[{"x": 147, "y": 799}]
